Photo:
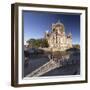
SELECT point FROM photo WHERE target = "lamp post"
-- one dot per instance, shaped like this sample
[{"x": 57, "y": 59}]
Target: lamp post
[
  {"x": 51, "y": 51},
  {"x": 56, "y": 36}
]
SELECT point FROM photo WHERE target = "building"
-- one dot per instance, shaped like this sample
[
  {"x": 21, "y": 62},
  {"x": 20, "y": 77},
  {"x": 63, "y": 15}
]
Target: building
[{"x": 57, "y": 39}]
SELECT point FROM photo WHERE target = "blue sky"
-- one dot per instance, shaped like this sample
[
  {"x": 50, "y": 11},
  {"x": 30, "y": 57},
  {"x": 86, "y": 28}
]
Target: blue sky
[{"x": 36, "y": 23}]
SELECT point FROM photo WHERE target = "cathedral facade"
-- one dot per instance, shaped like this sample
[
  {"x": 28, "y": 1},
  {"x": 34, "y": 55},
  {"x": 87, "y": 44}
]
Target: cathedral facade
[{"x": 57, "y": 38}]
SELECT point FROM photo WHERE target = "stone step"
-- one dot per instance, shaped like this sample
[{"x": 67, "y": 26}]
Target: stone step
[{"x": 44, "y": 69}]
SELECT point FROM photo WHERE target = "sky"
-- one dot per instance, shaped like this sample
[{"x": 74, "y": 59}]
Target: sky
[{"x": 36, "y": 23}]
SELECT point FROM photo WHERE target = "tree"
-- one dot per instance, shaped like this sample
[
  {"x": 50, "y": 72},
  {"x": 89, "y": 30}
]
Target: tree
[
  {"x": 38, "y": 43},
  {"x": 77, "y": 46},
  {"x": 31, "y": 42},
  {"x": 44, "y": 43}
]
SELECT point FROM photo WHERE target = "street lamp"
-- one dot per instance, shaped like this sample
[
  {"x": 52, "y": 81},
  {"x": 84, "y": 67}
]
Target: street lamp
[{"x": 52, "y": 51}]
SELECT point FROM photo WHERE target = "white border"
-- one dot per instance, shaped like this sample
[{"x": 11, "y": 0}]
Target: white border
[{"x": 53, "y": 78}]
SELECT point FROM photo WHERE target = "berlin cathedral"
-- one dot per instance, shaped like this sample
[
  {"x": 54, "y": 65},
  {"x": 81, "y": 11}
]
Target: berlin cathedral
[{"x": 57, "y": 39}]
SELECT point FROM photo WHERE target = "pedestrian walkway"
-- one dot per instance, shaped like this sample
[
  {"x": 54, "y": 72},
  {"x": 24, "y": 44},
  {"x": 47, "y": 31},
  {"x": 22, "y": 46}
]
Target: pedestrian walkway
[{"x": 45, "y": 68}]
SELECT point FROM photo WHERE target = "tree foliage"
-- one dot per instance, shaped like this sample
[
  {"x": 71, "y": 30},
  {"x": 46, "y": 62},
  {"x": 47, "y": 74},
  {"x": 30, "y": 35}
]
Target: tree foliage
[
  {"x": 38, "y": 43},
  {"x": 76, "y": 46}
]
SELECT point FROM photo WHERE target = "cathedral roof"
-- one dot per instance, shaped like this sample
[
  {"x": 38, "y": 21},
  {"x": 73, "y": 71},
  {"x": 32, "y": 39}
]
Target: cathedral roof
[{"x": 58, "y": 24}]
